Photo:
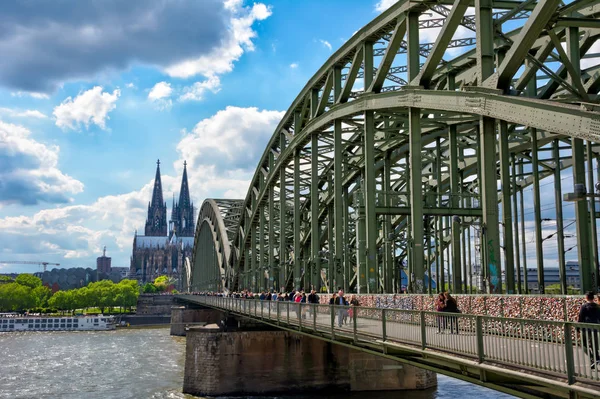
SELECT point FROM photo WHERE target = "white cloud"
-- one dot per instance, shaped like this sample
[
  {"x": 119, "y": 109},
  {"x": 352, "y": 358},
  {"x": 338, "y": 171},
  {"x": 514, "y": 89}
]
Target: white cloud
[
  {"x": 220, "y": 60},
  {"x": 196, "y": 91},
  {"x": 29, "y": 172},
  {"x": 160, "y": 95},
  {"x": 326, "y": 44},
  {"x": 293, "y": 65},
  {"x": 233, "y": 138},
  {"x": 36, "y": 95},
  {"x": 383, "y": 5},
  {"x": 29, "y": 113},
  {"x": 159, "y": 91},
  {"x": 130, "y": 85},
  {"x": 89, "y": 107}
]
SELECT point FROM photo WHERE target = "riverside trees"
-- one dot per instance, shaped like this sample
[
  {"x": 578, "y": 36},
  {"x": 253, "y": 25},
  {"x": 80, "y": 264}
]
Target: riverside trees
[{"x": 27, "y": 293}]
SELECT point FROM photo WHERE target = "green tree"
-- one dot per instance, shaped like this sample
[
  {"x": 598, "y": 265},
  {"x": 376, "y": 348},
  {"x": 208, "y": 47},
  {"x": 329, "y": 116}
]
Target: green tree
[
  {"x": 28, "y": 280},
  {"x": 16, "y": 297},
  {"x": 149, "y": 288},
  {"x": 41, "y": 295}
]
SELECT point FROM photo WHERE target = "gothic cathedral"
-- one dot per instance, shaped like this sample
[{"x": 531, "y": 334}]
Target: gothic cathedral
[{"x": 163, "y": 247}]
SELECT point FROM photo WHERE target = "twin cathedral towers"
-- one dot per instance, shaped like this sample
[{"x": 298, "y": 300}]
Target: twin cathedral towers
[{"x": 164, "y": 246}]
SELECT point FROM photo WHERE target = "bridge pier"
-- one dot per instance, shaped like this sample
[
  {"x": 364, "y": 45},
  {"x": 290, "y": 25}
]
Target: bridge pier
[
  {"x": 222, "y": 363},
  {"x": 182, "y": 316}
]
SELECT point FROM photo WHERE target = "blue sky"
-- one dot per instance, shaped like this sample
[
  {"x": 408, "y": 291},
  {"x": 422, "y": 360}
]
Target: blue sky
[{"x": 91, "y": 97}]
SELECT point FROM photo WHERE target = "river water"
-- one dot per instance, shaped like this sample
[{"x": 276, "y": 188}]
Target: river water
[{"x": 132, "y": 363}]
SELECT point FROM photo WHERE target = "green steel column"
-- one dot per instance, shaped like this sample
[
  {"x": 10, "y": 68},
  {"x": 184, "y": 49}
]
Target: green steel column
[
  {"x": 524, "y": 246},
  {"x": 507, "y": 209},
  {"x": 587, "y": 272},
  {"x": 415, "y": 145},
  {"x": 315, "y": 231},
  {"x": 272, "y": 283},
  {"x": 262, "y": 266},
  {"x": 338, "y": 200},
  {"x": 455, "y": 203},
  {"x": 297, "y": 221},
  {"x": 388, "y": 264},
  {"x": 346, "y": 241},
  {"x": 368, "y": 190},
  {"x": 594, "y": 235},
  {"x": 252, "y": 284},
  {"x": 539, "y": 250},
  {"x": 560, "y": 237},
  {"x": 283, "y": 250},
  {"x": 330, "y": 255},
  {"x": 586, "y": 269},
  {"x": 487, "y": 132},
  {"x": 440, "y": 219},
  {"x": 516, "y": 222}
]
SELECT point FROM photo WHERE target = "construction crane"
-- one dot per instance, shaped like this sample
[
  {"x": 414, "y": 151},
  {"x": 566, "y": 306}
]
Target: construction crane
[{"x": 24, "y": 262}]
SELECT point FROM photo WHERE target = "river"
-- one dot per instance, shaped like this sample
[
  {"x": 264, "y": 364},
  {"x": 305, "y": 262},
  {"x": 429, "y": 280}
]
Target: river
[{"x": 132, "y": 363}]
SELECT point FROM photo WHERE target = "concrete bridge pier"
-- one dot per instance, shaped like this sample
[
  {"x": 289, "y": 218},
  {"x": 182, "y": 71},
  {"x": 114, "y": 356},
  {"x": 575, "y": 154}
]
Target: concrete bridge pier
[
  {"x": 182, "y": 316},
  {"x": 220, "y": 363}
]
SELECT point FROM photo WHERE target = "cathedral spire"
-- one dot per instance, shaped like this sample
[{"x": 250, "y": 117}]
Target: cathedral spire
[
  {"x": 184, "y": 192},
  {"x": 157, "y": 194},
  {"x": 156, "y": 223}
]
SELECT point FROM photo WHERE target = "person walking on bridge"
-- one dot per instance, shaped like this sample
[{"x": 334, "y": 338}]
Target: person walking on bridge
[
  {"x": 590, "y": 313},
  {"x": 340, "y": 301}
]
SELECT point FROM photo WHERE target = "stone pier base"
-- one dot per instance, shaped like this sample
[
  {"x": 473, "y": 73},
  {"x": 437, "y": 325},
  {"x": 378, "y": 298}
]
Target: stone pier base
[
  {"x": 181, "y": 315},
  {"x": 268, "y": 362}
]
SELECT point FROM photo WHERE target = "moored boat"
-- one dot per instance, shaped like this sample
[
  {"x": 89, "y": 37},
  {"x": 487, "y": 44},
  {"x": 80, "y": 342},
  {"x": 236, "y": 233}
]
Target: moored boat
[{"x": 48, "y": 323}]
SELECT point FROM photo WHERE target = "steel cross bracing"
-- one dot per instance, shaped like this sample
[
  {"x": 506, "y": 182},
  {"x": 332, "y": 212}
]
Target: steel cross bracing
[{"x": 373, "y": 184}]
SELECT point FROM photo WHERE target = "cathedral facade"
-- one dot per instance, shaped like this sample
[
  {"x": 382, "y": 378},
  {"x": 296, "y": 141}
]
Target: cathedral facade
[{"x": 162, "y": 250}]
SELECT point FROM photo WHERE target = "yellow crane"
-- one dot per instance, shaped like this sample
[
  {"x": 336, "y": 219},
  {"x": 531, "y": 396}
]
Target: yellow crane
[{"x": 25, "y": 262}]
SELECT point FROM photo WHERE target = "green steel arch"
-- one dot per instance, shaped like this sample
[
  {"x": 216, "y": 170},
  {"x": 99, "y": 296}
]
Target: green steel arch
[
  {"x": 211, "y": 258},
  {"x": 395, "y": 153}
]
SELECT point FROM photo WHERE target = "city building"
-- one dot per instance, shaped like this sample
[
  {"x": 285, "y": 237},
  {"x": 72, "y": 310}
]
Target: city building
[
  {"x": 162, "y": 250},
  {"x": 552, "y": 276},
  {"x": 103, "y": 264}
]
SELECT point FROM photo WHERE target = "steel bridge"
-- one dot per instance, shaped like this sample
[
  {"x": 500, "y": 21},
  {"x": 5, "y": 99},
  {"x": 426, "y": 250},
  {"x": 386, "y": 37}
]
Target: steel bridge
[
  {"x": 407, "y": 158},
  {"x": 525, "y": 358}
]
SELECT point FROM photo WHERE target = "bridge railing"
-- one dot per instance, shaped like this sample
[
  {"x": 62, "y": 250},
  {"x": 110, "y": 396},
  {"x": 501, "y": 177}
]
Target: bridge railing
[{"x": 561, "y": 349}]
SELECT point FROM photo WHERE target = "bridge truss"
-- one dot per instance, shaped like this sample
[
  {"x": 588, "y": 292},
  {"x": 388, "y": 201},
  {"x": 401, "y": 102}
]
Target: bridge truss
[{"x": 401, "y": 160}]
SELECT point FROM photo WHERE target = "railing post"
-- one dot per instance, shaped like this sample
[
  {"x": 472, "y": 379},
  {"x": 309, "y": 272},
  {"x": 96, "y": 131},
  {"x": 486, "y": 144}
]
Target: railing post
[
  {"x": 569, "y": 354},
  {"x": 423, "y": 330},
  {"x": 479, "y": 333},
  {"x": 277, "y": 310},
  {"x": 299, "y": 316},
  {"x": 314, "y": 314},
  {"x": 383, "y": 325},
  {"x": 354, "y": 325}
]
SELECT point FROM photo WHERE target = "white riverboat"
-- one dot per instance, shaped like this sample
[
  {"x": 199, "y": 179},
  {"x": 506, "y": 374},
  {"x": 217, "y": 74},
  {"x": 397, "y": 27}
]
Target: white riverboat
[{"x": 47, "y": 323}]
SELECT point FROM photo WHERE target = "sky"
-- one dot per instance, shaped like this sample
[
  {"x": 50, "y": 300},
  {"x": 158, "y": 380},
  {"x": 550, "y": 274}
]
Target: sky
[{"x": 93, "y": 93}]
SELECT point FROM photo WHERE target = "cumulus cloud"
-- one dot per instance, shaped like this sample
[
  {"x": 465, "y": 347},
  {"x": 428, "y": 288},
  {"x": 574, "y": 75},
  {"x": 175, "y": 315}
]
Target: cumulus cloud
[
  {"x": 29, "y": 113},
  {"x": 196, "y": 91},
  {"x": 293, "y": 65},
  {"x": 233, "y": 138},
  {"x": 85, "y": 38},
  {"x": 28, "y": 170},
  {"x": 160, "y": 95},
  {"x": 89, "y": 107},
  {"x": 326, "y": 44},
  {"x": 220, "y": 59}
]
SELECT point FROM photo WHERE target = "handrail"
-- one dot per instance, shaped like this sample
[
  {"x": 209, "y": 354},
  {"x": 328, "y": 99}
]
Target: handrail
[{"x": 556, "y": 349}]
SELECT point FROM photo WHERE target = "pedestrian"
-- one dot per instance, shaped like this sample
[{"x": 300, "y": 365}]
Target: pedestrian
[
  {"x": 440, "y": 303},
  {"x": 590, "y": 313},
  {"x": 451, "y": 306},
  {"x": 332, "y": 299},
  {"x": 313, "y": 300},
  {"x": 353, "y": 303},
  {"x": 341, "y": 302}
]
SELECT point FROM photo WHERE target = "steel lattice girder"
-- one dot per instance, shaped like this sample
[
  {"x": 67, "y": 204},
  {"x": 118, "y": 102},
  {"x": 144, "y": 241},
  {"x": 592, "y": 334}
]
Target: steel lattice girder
[{"x": 562, "y": 107}]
